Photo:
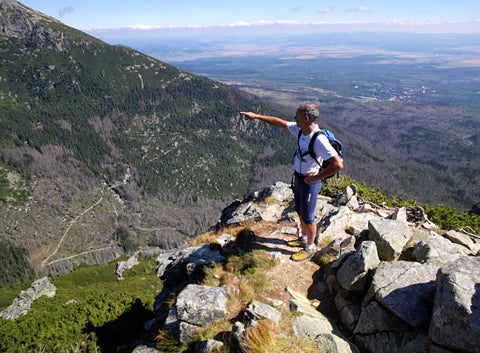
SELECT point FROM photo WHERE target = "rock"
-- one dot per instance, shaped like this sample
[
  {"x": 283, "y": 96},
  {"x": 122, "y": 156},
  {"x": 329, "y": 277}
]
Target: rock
[
  {"x": 375, "y": 318},
  {"x": 393, "y": 316},
  {"x": 338, "y": 222},
  {"x": 238, "y": 334},
  {"x": 335, "y": 249},
  {"x": 348, "y": 310},
  {"x": 365, "y": 208},
  {"x": 289, "y": 230},
  {"x": 196, "y": 306},
  {"x": 125, "y": 265},
  {"x": 238, "y": 212},
  {"x": 456, "y": 311},
  {"x": 390, "y": 236},
  {"x": 172, "y": 324},
  {"x": 437, "y": 251},
  {"x": 315, "y": 326},
  {"x": 417, "y": 216},
  {"x": 352, "y": 273},
  {"x": 144, "y": 349},
  {"x": 400, "y": 215},
  {"x": 225, "y": 239},
  {"x": 187, "y": 332},
  {"x": 462, "y": 239},
  {"x": 279, "y": 191},
  {"x": 320, "y": 330},
  {"x": 197, "y": 255},
  {"x": 345, "y": 197},
  {"x": 405, "y": 289},
  {"x": 201, "y": 305},
  {"x": 208, "y": 346},
  {"x": 21, "y": 304},
  {"x": 353, "y": 203},
  {"x": 180, "y": 268},
  {"x": 378, "y": 330},
  {"x": 257, "y": 311}
]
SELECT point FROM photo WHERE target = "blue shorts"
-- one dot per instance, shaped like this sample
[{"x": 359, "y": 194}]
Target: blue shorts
[{"x": 306, "y": 198}]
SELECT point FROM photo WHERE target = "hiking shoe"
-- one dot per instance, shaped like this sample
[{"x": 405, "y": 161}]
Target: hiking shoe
[
  {"x": 302, "y": 255},
  {"x": 299, "y": 243}
]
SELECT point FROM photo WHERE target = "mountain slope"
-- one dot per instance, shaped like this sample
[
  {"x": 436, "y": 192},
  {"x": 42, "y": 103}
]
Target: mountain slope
[{"x": 104, "y": 149}]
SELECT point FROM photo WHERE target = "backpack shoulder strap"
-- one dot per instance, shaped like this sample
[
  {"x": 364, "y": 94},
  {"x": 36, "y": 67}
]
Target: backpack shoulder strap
[{"x": 310, "y": 146}]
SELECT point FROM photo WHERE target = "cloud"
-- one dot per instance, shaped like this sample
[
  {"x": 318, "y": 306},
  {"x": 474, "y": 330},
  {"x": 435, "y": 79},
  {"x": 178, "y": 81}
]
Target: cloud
[
  {"x": 466, "y": 26},
  {"x": 359, "y": 9},
  {"x": 296, "y": 8},
  {"x": 65, "y": 11},
  {"x": 327, "y": 9}
]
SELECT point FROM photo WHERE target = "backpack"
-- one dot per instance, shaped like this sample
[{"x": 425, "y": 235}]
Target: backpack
[{"x": 336, "y": 144}]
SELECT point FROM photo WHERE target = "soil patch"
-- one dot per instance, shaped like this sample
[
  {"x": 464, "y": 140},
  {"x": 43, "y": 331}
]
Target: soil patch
[{"x": 296, "y": 276}]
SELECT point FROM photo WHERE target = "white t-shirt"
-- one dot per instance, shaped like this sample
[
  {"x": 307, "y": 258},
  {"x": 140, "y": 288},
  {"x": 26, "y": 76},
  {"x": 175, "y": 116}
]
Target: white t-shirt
[{"x": 322, "y": 148}]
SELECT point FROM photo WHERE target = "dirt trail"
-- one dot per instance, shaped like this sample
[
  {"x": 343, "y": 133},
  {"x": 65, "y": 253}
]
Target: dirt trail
[{"x": 297, "y": 276}]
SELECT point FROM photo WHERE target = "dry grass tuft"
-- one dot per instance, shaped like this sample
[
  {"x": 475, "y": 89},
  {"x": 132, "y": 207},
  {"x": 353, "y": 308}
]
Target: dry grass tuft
[{"x": 261, "y": 338}]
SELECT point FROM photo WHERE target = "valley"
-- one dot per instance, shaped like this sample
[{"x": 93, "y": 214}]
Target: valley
[
  {"x": 105, "y": 150},
  {"x": 413, "y": 98}
]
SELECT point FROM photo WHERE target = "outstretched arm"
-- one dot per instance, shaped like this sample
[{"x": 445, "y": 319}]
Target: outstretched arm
[{"x": 271, "y": 120}]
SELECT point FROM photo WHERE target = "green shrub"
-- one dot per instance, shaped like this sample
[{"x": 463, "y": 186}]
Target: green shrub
[
  {"x": 445, "y": 217},
  {"x": 91, "y": 312},
  {"x": 448, "y": 218}
]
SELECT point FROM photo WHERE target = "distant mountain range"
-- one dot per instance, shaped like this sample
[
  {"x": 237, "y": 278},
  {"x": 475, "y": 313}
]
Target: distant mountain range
[{"x": 104, "y": 149}]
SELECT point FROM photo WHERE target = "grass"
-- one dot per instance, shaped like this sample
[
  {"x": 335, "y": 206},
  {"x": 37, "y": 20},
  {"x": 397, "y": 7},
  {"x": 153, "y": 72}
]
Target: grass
[
  {"x": 246, "y": 277},
  {"x": 270, "y": 337}
]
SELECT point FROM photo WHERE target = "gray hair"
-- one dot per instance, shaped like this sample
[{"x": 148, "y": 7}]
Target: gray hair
[{"x": 310, "y": 109}]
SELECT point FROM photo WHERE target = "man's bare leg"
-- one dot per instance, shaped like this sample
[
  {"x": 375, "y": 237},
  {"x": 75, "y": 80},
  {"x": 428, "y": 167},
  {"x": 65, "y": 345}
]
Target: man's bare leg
[{"x": 310, "y": 230}]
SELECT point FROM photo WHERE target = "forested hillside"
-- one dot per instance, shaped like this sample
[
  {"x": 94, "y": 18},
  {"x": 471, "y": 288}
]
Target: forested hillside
[{"x": 104, "y": 149}]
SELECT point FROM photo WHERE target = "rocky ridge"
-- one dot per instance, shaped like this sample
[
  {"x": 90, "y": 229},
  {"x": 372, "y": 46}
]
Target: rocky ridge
[{"x": 384, "y": 279}]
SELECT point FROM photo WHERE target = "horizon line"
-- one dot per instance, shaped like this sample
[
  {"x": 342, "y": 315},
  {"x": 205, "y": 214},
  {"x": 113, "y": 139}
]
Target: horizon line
[{"x": 395, "y": 24}]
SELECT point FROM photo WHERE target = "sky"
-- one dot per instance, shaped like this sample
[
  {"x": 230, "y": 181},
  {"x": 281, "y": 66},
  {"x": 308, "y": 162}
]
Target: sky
[{"x": 395, "y": 15}]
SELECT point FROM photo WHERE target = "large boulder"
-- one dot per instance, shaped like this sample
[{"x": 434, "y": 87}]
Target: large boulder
[
  {"x": 437, "y": 251},
  {"x": 405, "y": 289},
  {"x": 378, "y": 330},
  {"x": 238, "y": 212},
  {"x": 196, "y": 306},
  {"x": 316, "y": 327},
  {"x": 201, "y": 305},
  {"x": 456, "y": 310},
  {"x": 353, "y": 272},
  {"x": 390, "y": 236}
]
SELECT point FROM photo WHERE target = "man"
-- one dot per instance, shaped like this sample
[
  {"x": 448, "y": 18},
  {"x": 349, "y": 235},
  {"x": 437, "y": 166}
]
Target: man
[{"x": 308, "y": 177}]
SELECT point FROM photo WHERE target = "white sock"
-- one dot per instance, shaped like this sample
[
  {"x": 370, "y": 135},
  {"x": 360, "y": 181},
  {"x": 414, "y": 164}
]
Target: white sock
[
  {"x": 309, "y": 247},
  {"x": 304, "y": 238}
]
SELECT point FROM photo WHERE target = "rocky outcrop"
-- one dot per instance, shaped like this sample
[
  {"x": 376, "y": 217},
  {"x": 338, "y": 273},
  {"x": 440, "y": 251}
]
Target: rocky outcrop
[
  {"x": 419, "y": 297},
  {"x": 24, "y": 300},
  {"x": 456, "y": 307},
  {"x": 398, "y": 283},
  {"x": 125, "y": 265}
]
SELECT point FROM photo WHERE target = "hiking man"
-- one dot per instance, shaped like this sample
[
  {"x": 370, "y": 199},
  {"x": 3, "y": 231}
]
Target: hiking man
[{"x": 308, "y": 177}]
